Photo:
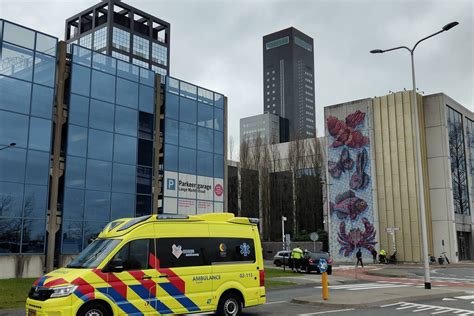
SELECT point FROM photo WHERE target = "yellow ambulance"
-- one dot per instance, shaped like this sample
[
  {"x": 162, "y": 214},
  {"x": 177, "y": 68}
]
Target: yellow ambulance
[{"x": 159, "y": 264}]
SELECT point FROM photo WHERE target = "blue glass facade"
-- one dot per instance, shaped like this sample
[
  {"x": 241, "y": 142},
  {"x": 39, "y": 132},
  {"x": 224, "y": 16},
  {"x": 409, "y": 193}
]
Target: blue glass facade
[
  {"x": 27, "y": 81},
  {"x": 194, "y": 149},
  {"x": 109, "y": 145}
]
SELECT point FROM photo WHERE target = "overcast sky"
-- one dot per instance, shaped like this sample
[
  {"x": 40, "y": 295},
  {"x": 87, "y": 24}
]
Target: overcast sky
[{"x": 217, "y": 44}]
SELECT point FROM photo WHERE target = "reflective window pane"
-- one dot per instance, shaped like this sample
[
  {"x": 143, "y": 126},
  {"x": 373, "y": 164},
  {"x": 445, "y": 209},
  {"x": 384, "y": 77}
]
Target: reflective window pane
[
  {"x": 123, "y": 205},
  {"x": 121, "y": 39},
  {"x": 147, "y": 77},
  {"x": 12, "y": 164},
  {"x": 218, "y": 143},
  {"x": 123, "y": 178},
  {"x": 145, "y": 125},
  {"x": 14, "y": 95},
  {"x": 33, "y": 239},
  {"x": 125, "y": 149},
  {"x": 37, "y": 167},
  {"x": 45, "y": 70},
  {"x": 18, "y": 35},
  {"x": 127, "y": 93},
  {"x": 77, "y": 141},
  {"x": 16, "y": 62},
  {"x": 82, "y": 55},
  {"x": 144, "y": 180},
  {"x": 187, "y": 160},
  {"x": 10, "y": 230},
  {"x": 205, "y": 96},
  {"x": 103, "y": 86},
  {"x": 127, "y": 70},
  {"x": 172, "y": 106},
  {"x": 11, "y": 195},
  {"x": 80, "y": 80},
  {"x": 97, "y": 206},
  {"x": 219, "y": 100},
  {"x": 188, "y": 90},
  {"x": 104, "y": 63},
  {"x": 91, "y": 230},
  {"x": 78, "y": 110},
  {"x": 172, "y": 85},
  {"x": 187, "y": 135},
  {"x": 99, "y": 175},
  {"x": 72, "y": 237},
  {"x": 73, "y": 204},
  {"x": 218, "y": 166},
  {"x": 101, "y": 115},
  {"x": 100, "y": 145},
  {"x": 171, "y": 157},
  {"x": 205, "y": 139},
  {"x": 13, "y": 129},
  {"x": 205, "y": 164},
  {"x": 75, "y": 172},
  {"x": 46, "y": 44},
  {"x": 187, "y": 110},
  {"x": 205, "y": 115},
  {"x": 219, "y": 119},
  {"x": 141, "y": 46},
  {"x": 42, "y": 101},
  {"x": 171, "y": 131},
  {"x": 40, "y": 134},
  {"x": 145, "y": 152},
  {"x": 126, "y": 121},
  {"x": 147, "y": 100},
  {"x": 143, "y": 205},
  {"x": 36, "y": 201}
]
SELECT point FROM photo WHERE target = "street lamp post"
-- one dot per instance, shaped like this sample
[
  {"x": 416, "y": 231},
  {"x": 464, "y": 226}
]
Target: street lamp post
[
  {"x": 8, "y": 146},
  {"x": 421, "y": 201}
]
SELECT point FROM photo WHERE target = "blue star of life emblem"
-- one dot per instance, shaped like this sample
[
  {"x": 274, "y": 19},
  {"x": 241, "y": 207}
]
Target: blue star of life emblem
[{"x": 244, "y": 249}]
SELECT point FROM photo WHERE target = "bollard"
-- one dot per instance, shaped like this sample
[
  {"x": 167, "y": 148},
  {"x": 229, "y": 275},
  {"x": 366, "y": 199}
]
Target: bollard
[{"x": 324, "y": 279}]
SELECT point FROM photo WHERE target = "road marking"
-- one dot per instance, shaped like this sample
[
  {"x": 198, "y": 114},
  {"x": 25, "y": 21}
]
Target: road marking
[
  {"x": 423, "y": 307},
  {"x": 276, "y": 302},
  {"x": 466, "y": 297},
  {"x": 457, "y": 279},
  {"x": 449, "y": 299},
  {"x": 327, "y": 312},
  {"x": 367, "y": 286},
  {"x": 393, "y": 286}
]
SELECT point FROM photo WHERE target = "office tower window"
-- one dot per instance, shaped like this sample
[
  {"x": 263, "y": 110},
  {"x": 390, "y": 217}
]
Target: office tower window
[
  {"x": 141, "y": 47},
  {"x": 100, "y": 39},
  {"x": 120, "y": 56},
  {"x": 86, "y": 41},
  {"x": 121, "y": 39},
  {"x": 159, "y": 54}
]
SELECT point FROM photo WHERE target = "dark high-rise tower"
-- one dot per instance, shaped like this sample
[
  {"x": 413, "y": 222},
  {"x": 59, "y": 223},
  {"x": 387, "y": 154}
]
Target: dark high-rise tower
[
  {"x": 288, "y": 80},
  {"x": 122, "y": 31}
]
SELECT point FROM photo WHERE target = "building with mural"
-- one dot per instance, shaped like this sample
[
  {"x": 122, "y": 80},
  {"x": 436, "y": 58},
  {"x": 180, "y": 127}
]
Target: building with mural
[{"x": 372, "y": 177}]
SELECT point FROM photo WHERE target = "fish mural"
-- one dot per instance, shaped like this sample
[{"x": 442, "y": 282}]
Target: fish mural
[
  {"x": 345, "y": 163},
  {"x": 347, "y": 204},
  {"x": 360, "y": 179},
  {"x": 350, "y": 192},
  {"x": 345, "y": 132}
]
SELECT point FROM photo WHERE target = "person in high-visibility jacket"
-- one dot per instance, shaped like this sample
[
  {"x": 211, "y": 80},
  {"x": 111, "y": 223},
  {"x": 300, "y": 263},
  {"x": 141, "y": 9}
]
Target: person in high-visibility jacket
[
  {"x": 382, "y": 256},
  {"x": 296, "y": 256}
]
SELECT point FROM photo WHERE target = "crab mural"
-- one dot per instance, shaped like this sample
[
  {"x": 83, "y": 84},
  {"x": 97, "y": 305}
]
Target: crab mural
[{"x": 356, "y": 238}]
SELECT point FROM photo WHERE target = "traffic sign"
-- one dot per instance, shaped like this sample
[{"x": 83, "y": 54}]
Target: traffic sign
[
  {"x": 391, "y": 230},
  {"x": 314, "y": 236},
  {"x": 322, "y": 265}
]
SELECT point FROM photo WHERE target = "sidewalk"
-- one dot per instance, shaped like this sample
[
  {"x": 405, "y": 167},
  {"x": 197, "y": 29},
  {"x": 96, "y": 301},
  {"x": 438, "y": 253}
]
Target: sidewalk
[
  {"x": 314, "y": 279},
  {"x": 361, "y": 299}
]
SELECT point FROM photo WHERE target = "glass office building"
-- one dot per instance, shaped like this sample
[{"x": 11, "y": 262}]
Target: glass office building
[
  {"x": 109, "y": 145},
  {"x": 27, "y": 81},
  {"x": 194, "y": 149}
]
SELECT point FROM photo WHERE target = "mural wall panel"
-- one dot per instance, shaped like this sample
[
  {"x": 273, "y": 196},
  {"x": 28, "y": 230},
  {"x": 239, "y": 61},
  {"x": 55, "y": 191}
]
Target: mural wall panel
[{"x": 352, "y": 220}]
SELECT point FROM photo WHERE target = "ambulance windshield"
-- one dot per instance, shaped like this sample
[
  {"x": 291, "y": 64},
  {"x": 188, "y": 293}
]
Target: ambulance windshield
[{"x": 93, "y": 255}]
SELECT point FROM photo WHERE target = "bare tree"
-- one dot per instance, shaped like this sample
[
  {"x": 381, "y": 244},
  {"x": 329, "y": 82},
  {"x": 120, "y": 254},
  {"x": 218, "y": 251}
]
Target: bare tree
[
  {"x": 231, "y": 146},
  {"x": 296, "y": 158}
]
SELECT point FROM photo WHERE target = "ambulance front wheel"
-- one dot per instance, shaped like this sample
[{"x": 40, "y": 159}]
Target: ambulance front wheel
[
  {"x": 94, "y": 309},
  {"x": 230, "y": 304}
]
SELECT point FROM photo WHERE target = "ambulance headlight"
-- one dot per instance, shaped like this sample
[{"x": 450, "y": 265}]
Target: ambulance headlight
[{"x": 62, "y": 291}]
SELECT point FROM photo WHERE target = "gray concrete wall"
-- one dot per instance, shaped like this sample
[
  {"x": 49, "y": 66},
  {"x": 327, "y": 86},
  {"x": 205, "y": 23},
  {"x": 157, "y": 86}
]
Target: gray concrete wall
[
  {"x": 21, "y": 266},
  {"x": 271, "y": 248}
]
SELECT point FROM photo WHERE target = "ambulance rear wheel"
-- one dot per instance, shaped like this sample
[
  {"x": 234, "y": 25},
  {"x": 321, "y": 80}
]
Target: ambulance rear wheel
[
  {"x": 229, "y": 305},
  {"x": 93, "y": 309}
]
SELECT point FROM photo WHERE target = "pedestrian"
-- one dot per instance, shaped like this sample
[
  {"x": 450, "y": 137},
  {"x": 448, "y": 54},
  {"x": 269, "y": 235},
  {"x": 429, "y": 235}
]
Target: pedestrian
[
  {"x": 382, "y": 256},
  {"x": 374, "y": 255},
  {"x": 359, "y": 258},
  {"x": 297, "y": 255}
]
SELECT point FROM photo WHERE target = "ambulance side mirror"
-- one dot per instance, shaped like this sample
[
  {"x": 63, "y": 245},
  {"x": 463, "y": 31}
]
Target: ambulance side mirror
[{"x": 116, "y": 265}]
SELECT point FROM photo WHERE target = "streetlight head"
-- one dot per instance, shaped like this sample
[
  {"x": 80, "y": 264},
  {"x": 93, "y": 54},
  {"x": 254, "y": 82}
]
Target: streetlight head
[
  {"x": 450, "y": 26},
  {"x": 376, "y": 51},
  {"x": 12, "y": 144}
]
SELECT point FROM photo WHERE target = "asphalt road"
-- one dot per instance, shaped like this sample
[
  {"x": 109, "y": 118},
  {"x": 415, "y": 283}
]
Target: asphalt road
[{"x": 447, "y": 273}]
